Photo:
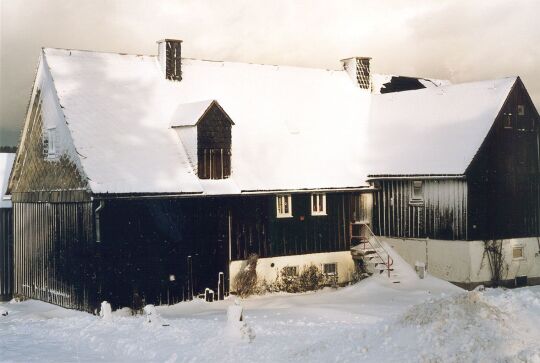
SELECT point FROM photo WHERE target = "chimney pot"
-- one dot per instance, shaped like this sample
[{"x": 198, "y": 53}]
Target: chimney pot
[
  {"x": 170, "y": 58},
  {"x": 359, "y": 70}
]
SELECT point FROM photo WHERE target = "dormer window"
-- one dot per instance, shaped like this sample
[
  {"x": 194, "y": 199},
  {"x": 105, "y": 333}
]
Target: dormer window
[{"x": 205, "y": 130}]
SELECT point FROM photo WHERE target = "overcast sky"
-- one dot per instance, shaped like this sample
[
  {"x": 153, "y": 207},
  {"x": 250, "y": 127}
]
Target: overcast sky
[{"x": 456, "y": 40}]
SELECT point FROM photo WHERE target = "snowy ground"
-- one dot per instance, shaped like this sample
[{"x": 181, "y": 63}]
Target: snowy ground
[{"x": 415, "y": 321}]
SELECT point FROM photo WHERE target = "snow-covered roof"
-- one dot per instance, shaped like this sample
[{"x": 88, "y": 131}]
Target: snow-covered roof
[
  {"x": 6, "y": 162},
  {"x": 189, "y": 114},
  {"x": 295, "y": 128},
  {"x": 433, "y": 130}
]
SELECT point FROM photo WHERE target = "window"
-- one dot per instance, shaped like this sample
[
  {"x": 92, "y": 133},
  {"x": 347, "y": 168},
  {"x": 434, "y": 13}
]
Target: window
[
  {"x": 214, "y": 163},
  {"x": 49, "y": 143},
  {"x": 517, "y": 253},
  {"x": 318, "y": 204},
  {"x": 330, "y": 268},
  {"x": 290, "y": 271},
  {"x": 284, "y": 206},
  {"x": 507, "y": 121},
  {"x": 521, "y": 110},
  {"x": 417, "y": 191}
]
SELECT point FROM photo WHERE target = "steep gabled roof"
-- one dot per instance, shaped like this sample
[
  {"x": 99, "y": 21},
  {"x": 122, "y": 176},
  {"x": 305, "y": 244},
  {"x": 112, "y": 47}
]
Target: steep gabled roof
[
  {"x": 6, "y": 163},
  {"x": 189, "y": 114},
  {"x": 295, "y": 128},
  {"x": 434, "y": 130}
]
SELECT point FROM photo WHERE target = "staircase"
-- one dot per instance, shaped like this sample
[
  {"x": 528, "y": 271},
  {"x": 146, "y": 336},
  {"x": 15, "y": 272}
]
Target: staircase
[{"x": 368, "y": 252}]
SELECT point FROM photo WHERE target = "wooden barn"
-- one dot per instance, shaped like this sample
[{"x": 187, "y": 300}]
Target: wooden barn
[
  {"x": 457, "y": 169},
  {"x": 6, "y": 230},
  {"x": 152, "y": 179}
]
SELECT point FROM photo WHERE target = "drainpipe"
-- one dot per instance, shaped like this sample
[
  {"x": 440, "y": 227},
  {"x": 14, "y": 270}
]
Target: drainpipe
[{"x": 98, "y": 226}]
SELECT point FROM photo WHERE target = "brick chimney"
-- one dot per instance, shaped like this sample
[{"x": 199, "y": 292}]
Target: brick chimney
[
  {"x": 358, "y": 69},
  {"x": 170, "y": 58}
]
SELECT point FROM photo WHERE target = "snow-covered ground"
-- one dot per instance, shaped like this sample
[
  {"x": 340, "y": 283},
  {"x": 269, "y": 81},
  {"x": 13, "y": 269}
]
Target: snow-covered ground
[{"x": 375, "y": 320}]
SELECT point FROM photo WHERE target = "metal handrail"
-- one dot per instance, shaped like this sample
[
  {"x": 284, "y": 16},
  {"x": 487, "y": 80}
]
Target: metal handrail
[{"x": 389, "y": 261}]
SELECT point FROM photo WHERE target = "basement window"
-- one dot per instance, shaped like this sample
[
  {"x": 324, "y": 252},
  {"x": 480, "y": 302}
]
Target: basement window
[
  {"x": 284, "y": 206},
  {"x": 417, "y": 191},
  {"x": 330, "y": 269},
  {"x": 318, "y": 204},
  {"x": 517, "y": 253},
  {"x": 290, "y": 271}
]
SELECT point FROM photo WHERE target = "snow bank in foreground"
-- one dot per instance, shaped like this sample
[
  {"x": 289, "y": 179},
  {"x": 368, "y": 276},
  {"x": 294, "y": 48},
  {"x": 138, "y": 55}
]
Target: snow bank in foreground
[{"x": 374, "y": 321}]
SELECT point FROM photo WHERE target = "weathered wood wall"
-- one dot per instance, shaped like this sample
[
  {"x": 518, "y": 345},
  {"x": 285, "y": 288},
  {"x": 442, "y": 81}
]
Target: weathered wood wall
[
  {"x": 442, "y": 214},
  {"x": 256, "y": 229},
  {"x": 504, "y": 177},
  {"x": 53, "y": 253},
  {"x": 6, "y": 254},
  {"x": 32, "y": 172}
]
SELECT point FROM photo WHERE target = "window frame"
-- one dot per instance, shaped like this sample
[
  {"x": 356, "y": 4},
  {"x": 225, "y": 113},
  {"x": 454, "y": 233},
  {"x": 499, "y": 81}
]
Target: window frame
[
  {"x": 521, "y": 110},
  {"x": 416, "y": 198},
  {"x": 291, "y": 271},
  {"x": 280, "y": 213},
  {"x": 50, "y": 147},
  {"x": 330, "y": 273},
  {"x": 317, "y": 197},
  {"x": 518, "y": 248}
]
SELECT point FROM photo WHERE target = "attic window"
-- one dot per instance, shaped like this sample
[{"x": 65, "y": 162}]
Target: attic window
[
  {"x": 214, "y": 163},
  {"x": 417, "y": 191},
  {"x": 507, "y": 121},
  {"x": 49, "y": 143},
  {"x": 318, "y": 204},
  {"x": 284, "y": 206},
  {"x": 521, "y": 110}
]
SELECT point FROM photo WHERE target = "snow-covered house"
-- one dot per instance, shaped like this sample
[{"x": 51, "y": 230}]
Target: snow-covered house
[
  {"x": 6, "y": 230},
  {"x": 156, "y": 177},
  {"x": 455, "y": 167}
]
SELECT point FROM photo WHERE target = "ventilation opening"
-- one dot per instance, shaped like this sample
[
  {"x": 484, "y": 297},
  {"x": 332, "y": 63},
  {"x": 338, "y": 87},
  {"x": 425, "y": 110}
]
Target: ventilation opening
[{"x": 521, "y": 281}]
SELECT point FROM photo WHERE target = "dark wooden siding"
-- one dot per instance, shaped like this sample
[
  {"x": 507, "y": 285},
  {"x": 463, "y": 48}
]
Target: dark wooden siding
[
  {"x": 53, "y": 249},
  {"x": 256, "y": 229},
  {"x": 6, "y": 254},
  {"x": 504, "y": 195},
  {"x": 214, "y": 144},
  {"x": 442, "y": 214},
  {"x": 146, "y": 242}
]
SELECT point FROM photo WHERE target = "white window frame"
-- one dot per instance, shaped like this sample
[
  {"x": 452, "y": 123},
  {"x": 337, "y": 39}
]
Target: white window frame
[
  {"x": 50, "y": 138},
  {"x": 417, "y": 197},
  {"x": 317, "y": 212},
  {"x": 330, "y": 273},
  {"x": 283, "y": 201}
]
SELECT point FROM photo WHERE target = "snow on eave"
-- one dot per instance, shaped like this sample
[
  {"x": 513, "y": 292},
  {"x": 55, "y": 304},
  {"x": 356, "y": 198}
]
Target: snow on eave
[{"x": 190, "y": 114}]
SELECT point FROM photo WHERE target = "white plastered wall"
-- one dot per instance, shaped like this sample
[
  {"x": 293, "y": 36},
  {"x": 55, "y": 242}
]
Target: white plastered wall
[
  {"x": 268, "y": 268},
  {"x": 465, "y": 261}
]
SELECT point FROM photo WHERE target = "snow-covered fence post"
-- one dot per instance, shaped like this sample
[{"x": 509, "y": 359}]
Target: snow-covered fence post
[
  {"x": 221, "y": 286},
  {"x": 209, "y": 295}
]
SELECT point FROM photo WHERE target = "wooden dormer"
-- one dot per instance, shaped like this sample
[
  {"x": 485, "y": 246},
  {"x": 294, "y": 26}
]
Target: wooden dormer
[{"x": 205, "y": 131}]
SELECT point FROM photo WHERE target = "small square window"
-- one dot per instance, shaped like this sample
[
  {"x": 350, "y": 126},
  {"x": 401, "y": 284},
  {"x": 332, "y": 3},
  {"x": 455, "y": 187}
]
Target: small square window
[
  {"x": 521, "y": 110},
  {"x": 417, "y": 191},
  {"x": 517, "y": 253},
  {"x": 284, "y": 206},
  {"x": 318, "y": 204},
  {"x": 290, "y": 271},
  {"x": 330, "y": 269}
]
